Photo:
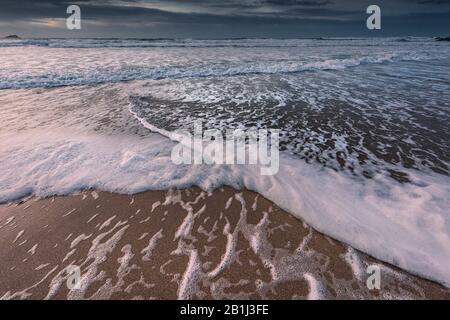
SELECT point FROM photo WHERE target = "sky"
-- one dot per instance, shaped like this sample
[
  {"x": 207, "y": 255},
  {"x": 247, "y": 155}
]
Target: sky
[{"x": 223, "y": 18}]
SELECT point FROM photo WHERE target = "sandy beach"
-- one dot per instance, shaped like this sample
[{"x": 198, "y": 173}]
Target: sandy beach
[
  {"x": 193, "y": 153},
  {"x": 182, "y": 244}
]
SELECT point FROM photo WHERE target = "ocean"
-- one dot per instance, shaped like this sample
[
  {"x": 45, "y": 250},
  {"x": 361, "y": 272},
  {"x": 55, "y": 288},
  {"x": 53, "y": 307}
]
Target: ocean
[{"x": 364, "y": 124}]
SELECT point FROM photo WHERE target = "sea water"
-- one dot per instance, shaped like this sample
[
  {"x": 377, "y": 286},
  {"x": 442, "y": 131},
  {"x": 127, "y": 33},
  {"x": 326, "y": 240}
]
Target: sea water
[{"x": 364, "y": 128}]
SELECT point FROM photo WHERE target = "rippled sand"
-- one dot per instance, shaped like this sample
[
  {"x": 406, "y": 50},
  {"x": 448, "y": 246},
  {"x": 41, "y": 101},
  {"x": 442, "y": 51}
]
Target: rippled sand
[{"x": 184, "y": 244}]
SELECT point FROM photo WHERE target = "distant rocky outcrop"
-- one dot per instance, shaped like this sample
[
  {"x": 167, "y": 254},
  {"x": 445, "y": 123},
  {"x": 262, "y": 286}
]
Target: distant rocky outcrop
[
  {"x": 442, "y": 39},
  {"x": 12, "y": 37}
]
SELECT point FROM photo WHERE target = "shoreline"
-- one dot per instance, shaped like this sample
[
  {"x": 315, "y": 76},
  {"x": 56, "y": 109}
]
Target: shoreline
[{"x": 183, "y": 244}]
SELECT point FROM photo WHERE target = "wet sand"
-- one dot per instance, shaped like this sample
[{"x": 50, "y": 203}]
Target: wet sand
[{"x": 182, "y": 244}]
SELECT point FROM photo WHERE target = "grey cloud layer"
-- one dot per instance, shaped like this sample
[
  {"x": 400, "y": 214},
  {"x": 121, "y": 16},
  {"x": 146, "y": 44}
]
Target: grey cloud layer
[{"x": 283, "y": 18}]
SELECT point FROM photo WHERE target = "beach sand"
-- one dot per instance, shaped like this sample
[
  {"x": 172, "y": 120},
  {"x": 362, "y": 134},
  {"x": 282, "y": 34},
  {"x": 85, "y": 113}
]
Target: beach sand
[{"x": 182, "y": 244}]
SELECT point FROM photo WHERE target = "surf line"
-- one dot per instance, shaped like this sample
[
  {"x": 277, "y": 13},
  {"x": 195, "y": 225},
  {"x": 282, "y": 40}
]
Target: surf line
[{"x": 193, "y": 310}]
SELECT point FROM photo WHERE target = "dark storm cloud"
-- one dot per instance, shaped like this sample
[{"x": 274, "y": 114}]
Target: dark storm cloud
[
  {"x": 434, "y": 2},
  {"x": 223, "y": 18}
]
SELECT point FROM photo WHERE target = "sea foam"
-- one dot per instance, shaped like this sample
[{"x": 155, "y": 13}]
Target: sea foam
[
  {"x": 407, "y": 225},
  {"x": 57, "y": 141}
]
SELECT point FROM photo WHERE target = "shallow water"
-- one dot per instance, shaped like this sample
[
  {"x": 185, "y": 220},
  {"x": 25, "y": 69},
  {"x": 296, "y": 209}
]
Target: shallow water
[{"x": 364, "y": 123}]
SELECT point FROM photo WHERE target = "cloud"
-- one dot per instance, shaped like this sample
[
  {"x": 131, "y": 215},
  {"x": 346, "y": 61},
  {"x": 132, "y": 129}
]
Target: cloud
[
  {"x": 218, "y": 18},
  {"x": 433, "y": 2}
]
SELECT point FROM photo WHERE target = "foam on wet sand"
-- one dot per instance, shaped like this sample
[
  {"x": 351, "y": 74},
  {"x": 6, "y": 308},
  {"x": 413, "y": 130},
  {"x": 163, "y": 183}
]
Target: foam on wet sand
[{"x": 225, "y": 250}]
